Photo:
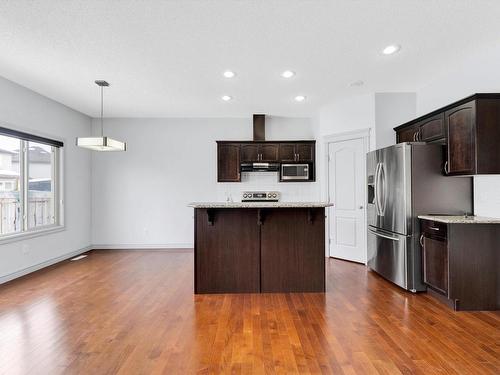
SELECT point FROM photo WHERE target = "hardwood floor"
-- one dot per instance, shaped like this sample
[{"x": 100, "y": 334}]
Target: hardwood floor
[{"x": 134, "y": 312}]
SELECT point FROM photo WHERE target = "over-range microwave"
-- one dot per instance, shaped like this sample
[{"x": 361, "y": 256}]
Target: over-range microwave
[{"x": 294, "y": 172}]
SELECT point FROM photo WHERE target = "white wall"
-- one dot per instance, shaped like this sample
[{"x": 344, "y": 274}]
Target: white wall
[
  {"x": 392, "y": 109},
  {"x": 26, "y": 110},
  {"x": 140, "y": 196},
  {"x": 353, "y": 113},
  {"x": 340, "y": 116},
  {"x": 478, "y": 73}
]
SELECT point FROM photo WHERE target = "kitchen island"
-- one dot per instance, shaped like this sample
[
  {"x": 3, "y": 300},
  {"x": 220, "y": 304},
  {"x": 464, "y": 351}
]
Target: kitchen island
[{"x": 259, "y": 247}]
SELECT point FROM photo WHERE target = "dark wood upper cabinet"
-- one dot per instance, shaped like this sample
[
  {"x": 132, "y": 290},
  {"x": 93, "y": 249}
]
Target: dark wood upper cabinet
[
  {"x": 269, "y": 152},
  {"x": 297, "y": 152},
  {"x": 287, "y": 152},
  {"x": 428, "y": 130},
  {"x": 460, "y": 127},
  {"x": 407, "y": 134},
  {"x": 228, "y": 162},
  {"x": 431, "y": 129},
  {"x": 305, "y": 151},
  {"x": 249, "y": 152},
  {"x": 259, "y": 152},
  {"x": 470, "y": 128}
]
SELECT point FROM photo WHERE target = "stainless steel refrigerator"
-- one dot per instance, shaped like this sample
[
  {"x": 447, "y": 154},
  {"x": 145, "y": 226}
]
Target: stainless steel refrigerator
[{"x": 404, "y": 181}]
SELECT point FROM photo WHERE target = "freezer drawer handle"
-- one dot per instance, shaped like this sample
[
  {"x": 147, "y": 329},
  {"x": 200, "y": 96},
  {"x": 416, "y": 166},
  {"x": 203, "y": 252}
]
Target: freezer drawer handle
[{"x": 383, "y": 235}]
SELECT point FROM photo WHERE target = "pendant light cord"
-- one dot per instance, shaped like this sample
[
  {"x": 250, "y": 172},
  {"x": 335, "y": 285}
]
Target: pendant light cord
[{"x": 102, "y": 111}]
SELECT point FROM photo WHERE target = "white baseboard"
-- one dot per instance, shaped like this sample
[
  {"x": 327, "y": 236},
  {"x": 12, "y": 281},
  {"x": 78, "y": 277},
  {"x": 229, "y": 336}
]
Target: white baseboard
[
  {"x": 143, "y": 246},
  {"x": 50, "y": 262}
]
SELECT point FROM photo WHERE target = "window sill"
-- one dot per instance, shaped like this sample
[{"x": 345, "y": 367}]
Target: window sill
[{"x": 31, "y": 234}]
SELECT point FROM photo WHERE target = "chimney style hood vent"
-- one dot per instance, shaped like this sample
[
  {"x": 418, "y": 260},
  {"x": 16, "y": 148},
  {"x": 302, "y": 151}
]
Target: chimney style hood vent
[{"x": 259, "y": 127}]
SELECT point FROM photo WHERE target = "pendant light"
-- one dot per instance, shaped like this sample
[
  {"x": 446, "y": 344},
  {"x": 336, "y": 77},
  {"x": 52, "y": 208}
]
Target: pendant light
[{"x": 101, "y": 143}]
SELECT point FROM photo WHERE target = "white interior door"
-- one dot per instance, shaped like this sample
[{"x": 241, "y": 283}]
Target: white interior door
[{"x": 346, "y": 184}]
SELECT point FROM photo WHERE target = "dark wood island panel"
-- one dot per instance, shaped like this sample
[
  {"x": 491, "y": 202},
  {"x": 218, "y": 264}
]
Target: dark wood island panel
[
  {"x": 227, "y": 253},
  {"x": 253, "y": 250},
  {"x": 293, "y": 251}
]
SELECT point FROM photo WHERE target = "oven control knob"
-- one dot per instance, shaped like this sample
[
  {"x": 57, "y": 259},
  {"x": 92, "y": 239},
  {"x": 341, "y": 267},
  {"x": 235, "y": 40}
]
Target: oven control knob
[{"x": 274, "y": 195}]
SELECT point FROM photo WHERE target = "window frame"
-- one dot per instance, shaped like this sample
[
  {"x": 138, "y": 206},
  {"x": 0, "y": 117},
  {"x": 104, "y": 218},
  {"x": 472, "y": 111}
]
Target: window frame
[{"x": 57, "y": 186}]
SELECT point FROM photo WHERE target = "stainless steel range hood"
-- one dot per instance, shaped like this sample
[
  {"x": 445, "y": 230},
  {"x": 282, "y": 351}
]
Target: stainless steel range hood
[{"x": 259, "y": 167}]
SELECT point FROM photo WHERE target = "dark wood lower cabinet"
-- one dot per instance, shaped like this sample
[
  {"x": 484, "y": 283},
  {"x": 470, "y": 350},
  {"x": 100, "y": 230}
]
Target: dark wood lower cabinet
[
  {"x": 461, "y": 263},
  {"x": 435, "y": 256},
  {"x": 247, "y": 250},
  {"x": 293, "y": 251}
]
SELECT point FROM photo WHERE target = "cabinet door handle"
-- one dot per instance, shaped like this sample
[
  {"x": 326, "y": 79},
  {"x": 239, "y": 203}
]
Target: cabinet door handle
[
  {"x": 433, "y": 228},
  {"x": 414, "y": 137},
  {"x": 419, "y": 135},
  {"x": 421, "y": 240},
  {"x": 446, "y": 167}
]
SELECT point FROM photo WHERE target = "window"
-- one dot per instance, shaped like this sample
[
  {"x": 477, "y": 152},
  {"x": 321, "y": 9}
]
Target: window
[{"x": 29, "y": 182}]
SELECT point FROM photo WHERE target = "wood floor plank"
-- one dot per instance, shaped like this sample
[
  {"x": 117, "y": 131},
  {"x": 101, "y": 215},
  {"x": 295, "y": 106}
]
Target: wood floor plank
[{"x": 134, "y": 312}]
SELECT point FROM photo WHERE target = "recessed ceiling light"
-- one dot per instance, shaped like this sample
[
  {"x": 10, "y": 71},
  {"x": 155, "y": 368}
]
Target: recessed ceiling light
[
  {"x": 393, "y": 48},
  {"x": 226, "y": 98},
  {"x": 229, "y": 74},
  {"x": 357, "y": 83},
  {"x": 300, "y": 98},
  {"x": 287, "y": 74}
]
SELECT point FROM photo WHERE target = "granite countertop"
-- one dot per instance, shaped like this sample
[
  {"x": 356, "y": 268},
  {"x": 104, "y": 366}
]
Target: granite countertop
[
  {"x": 258, "y": 204},
  {"x": 461, "y": 219}
]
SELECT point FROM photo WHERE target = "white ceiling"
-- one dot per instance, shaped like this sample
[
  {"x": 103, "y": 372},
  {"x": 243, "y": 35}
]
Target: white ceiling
[{"x": 166, "y": 58}]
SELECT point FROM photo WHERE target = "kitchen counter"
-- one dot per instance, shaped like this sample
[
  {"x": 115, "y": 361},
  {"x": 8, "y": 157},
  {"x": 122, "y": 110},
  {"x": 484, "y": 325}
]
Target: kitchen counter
[
  {"x": 259, "y": 204},
  {"x": 461, "y": 219}
]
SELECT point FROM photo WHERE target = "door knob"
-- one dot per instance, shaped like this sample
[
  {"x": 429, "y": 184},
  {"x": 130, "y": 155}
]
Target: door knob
[{"x": 360, "y": 207}]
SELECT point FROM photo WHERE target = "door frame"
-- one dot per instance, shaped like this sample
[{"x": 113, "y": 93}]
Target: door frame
[{"x": 363, "y": 134}]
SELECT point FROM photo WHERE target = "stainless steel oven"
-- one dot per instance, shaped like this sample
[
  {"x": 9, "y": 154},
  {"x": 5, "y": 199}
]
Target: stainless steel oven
[{"x": 294, "y": 172}]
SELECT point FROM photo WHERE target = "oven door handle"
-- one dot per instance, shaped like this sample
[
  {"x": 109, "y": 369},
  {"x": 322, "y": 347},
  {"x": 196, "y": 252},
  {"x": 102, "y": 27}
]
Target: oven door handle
[{"x": 387, "y": 236}]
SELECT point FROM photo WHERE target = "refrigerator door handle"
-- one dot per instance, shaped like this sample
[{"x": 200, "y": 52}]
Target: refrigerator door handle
[
  {"x": 375, "y": 189},
  {"x": 383, "y": 190},
  {"x": 383, "y": 235},
  {"x": 378, "y": 189}
]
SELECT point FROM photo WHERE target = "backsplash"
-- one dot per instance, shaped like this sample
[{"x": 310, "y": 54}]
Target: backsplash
[
  {"x": 487, "y": 196},
  {"x": 269, "y": 181}
]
